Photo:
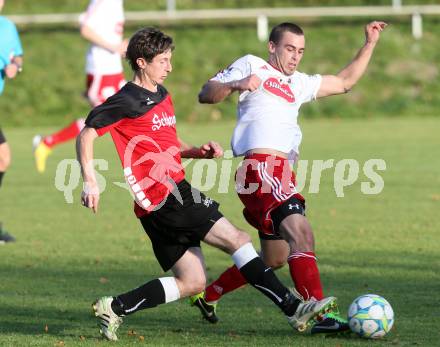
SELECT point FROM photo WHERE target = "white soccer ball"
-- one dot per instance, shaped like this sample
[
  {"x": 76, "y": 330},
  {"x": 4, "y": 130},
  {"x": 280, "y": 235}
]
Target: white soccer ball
[{"x": 370, "y": 316}]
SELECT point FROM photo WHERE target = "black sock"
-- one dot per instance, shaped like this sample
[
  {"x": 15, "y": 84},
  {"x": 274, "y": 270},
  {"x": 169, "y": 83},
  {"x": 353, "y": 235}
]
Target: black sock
[
  {"x": 264, "y": 279},
  {"x": 1, "y": 177},
  {"x": 148, "y": 295}
]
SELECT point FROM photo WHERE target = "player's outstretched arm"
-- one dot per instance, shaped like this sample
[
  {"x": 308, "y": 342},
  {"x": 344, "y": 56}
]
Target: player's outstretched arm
[
  {"x": 213, "y": 91},
  {"x": 84, "y": 153},
  {"x": 208, "y": 150},
  {"x": 350, "y": 75}
]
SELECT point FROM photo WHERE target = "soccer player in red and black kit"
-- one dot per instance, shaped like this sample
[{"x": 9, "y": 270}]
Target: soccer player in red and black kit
[{"x": 176, "y": 217}]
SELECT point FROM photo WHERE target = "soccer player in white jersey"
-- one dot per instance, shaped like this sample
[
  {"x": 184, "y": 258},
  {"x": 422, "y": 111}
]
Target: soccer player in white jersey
[
  {"x": 102, "y": 25},
  {"x": 267, "y": 134}
]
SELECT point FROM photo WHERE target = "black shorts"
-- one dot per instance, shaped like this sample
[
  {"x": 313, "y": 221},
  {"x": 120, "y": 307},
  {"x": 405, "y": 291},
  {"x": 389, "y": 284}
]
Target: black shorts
[
  {"x": 290, "y": 206},
  {"x": 179, "y": 225},
  {"x": 2, "y": 137}
]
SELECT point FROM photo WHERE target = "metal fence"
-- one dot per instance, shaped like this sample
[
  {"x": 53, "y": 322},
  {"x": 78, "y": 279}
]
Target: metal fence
[{"x": 261, "y": 15}]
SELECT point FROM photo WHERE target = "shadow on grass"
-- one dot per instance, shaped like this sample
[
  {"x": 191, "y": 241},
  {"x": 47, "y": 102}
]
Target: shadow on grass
[
  {"x": 32, "y": 298},
  {"x": 44, "y": 322}
]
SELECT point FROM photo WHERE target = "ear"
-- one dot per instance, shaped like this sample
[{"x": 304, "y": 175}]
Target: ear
[
  {"x": 271, "y": 47},
  {"x": 141, "y": 62}
]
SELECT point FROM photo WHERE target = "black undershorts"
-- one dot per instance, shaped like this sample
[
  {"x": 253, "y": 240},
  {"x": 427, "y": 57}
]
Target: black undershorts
[{"x": 290, "y": 206}]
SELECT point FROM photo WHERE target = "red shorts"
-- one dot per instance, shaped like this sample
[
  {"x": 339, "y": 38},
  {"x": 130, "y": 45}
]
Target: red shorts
[
  {"x": 101, "y": 87},
  {"x": 263, "y": 183}
]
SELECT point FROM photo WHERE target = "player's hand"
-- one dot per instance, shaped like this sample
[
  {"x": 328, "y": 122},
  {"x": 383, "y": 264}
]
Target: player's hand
[
  {"x": 250, "y": 83},
  {"x": 11, "y": 70},
  {"x": 211, "y": 150},
  {"x": 90, "y": 196},
  {"x": 373, "y": 30}
]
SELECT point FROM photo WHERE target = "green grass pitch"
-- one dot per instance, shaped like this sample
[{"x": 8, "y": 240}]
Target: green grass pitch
[{"x": 65, "y": 256}]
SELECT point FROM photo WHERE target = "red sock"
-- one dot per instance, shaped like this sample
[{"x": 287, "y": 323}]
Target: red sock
[
  {"x": 228, "y": 281},
  {"x": 305, "y": 274},
  {"x": 65, "y": 134}
]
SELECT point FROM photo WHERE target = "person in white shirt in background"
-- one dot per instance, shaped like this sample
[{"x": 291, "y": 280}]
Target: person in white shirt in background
[{"x": 103, "y": 26}]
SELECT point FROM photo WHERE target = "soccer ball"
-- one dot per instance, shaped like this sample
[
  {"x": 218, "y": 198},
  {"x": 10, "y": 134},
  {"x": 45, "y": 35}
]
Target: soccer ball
[{"x": 370, "y": 316}]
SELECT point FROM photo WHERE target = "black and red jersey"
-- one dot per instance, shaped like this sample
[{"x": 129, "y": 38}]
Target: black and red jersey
[{"x": 143, "y": 127}]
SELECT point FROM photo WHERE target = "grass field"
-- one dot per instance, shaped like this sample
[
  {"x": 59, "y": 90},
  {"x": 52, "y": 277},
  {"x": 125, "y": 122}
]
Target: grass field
[{"x": 65, "y": 256}]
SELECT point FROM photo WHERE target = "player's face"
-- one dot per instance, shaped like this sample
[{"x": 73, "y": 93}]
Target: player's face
[
  {"x": 160, "y": 67},
  {"x": 288, "y": 52}
]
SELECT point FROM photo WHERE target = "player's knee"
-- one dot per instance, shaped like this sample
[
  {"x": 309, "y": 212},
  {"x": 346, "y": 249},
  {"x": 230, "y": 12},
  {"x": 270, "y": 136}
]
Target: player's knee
[
  {"x": 195, "y": 286},
  {"x": 191, "y": 283}
]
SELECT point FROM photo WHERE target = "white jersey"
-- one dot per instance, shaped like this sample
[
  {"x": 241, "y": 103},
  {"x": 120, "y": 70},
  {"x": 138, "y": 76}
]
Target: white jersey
[
  {"x": 105, "y": 18},
  {"x": 267, "y": 117}
]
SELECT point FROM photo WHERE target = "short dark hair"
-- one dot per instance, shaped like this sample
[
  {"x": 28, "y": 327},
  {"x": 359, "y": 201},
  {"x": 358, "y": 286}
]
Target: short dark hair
[
  {"x": 147, "y": 43},
  {"x": 277, "y": 31}
]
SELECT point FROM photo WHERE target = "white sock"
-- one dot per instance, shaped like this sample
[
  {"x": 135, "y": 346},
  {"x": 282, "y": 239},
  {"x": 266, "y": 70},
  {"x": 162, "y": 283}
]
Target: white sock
[
  {"x": 170, "y": 288},
  {"x": 244, "y": 255}
]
